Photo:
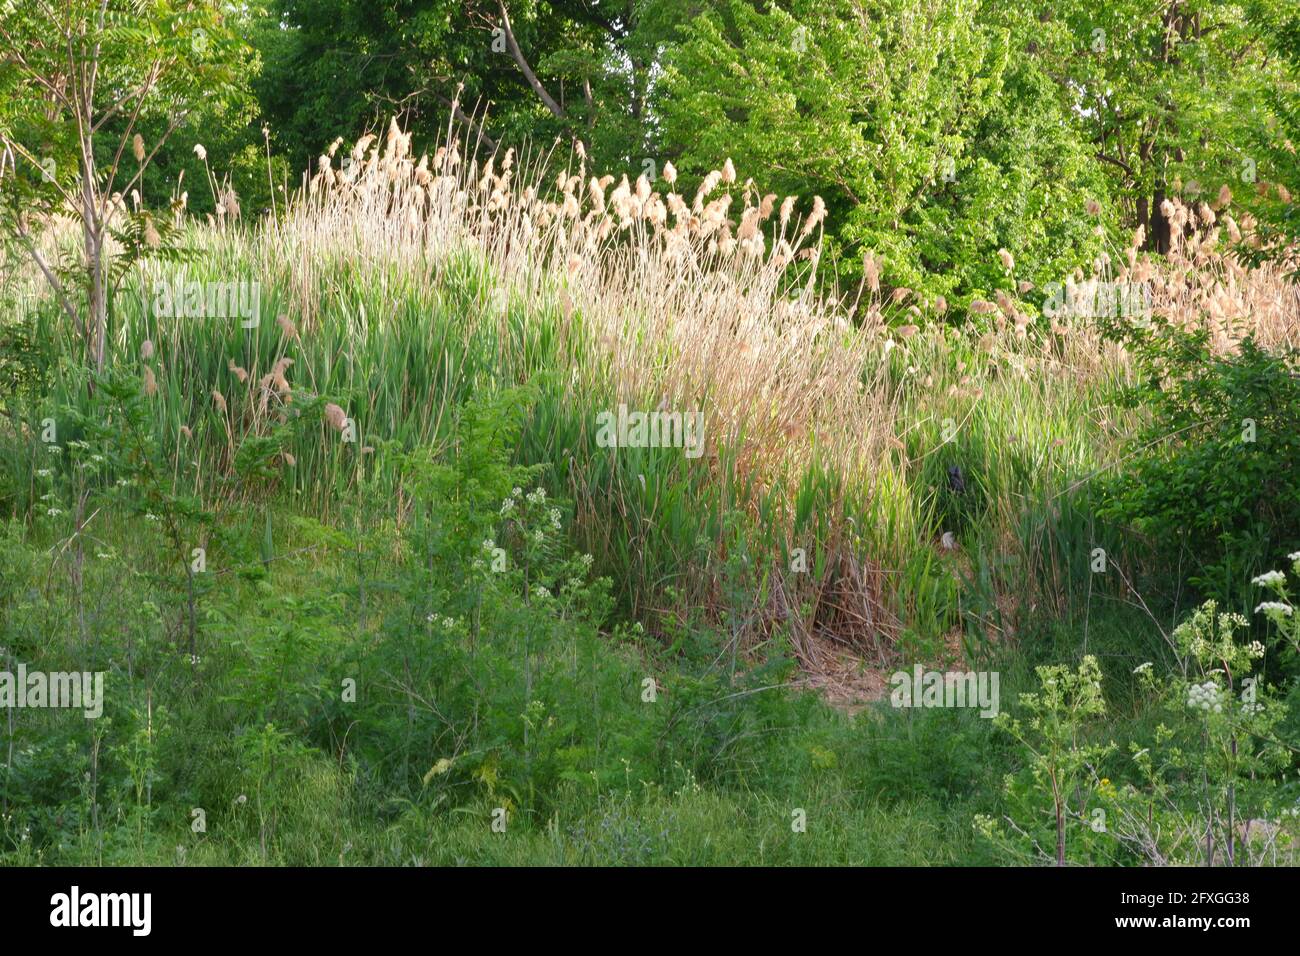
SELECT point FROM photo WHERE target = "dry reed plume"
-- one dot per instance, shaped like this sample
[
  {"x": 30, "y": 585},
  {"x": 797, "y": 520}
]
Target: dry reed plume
[{"x": 703, "y": 301}]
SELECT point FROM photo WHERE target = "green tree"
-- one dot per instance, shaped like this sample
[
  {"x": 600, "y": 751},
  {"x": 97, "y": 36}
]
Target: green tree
[
  {"x": 1274, "y": 142},
  {"x": 77, "y": 79},
  {"x": 511, "y": 72},
  {"x": 933, "y": 143},
  {"x": 1171, "y": 95}
]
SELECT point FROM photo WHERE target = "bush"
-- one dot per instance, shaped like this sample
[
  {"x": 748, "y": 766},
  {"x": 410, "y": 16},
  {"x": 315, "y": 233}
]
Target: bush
[{"x": 1214, "y": 474}]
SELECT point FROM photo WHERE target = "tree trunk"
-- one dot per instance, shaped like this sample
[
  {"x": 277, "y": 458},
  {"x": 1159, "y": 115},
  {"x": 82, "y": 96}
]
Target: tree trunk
[
  {"x": 98, "y": 302},
  {"x": 97, "y": 294},
  {"x": 1160, "y": 229}
]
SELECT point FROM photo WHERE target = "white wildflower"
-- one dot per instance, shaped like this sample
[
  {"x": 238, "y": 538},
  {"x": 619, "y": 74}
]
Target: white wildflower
[
  {"x": 1274, "y": 609},
  {"x": 1205, "y": 697}
]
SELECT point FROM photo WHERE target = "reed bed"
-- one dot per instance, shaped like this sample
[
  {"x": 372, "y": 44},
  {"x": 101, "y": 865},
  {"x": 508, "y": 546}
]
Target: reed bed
[{"x": 397, "y": 286}]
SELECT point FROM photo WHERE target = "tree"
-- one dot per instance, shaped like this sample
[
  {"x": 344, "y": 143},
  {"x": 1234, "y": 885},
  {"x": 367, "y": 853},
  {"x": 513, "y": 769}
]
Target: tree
[
  {"x": 512, "y": 71},
  {"x": 1273, "y": 145},
  {"x": 612, "y": 55},
  {"x": 77, "y": 80},
  {"x": 1171, "y": 94},
  {"x": 932, "y": 142}
]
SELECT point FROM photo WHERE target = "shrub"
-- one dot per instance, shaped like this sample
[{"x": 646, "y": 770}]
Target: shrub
[{"x": 1214, "y": 473}]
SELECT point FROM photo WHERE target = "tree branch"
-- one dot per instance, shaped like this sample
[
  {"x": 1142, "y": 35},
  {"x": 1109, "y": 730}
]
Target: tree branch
[
  {"x": 1117, "y": 162},
  {"x": 53, "y": 280},
  {"x": 524, "y": 68}
]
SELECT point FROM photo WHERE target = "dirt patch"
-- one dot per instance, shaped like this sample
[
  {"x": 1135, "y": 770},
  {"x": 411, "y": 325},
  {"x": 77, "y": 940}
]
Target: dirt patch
[{"x": 841, "y": 676}]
